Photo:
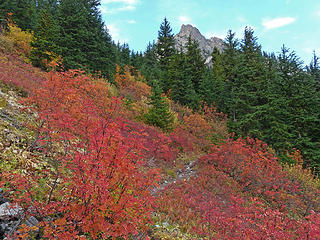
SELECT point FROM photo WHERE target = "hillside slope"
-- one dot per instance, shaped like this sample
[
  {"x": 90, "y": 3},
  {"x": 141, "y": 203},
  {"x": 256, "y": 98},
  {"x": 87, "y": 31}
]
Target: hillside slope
[{"x": 81, "y": 161}]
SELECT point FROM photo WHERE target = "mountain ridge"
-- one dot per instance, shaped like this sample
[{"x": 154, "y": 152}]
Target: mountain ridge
[{"x": 205, "y": 45}]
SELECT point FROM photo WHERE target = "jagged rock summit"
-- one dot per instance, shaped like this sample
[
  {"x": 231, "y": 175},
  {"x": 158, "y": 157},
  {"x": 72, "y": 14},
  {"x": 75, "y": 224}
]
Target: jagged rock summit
[{"x": 206, "y": 45}]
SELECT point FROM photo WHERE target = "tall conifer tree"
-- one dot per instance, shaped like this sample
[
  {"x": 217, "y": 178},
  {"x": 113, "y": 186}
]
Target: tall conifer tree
[
  {"x": 44, "y": 44},
  {"x": 165, "y": 49},
  {"x": 84, "y": 39}
]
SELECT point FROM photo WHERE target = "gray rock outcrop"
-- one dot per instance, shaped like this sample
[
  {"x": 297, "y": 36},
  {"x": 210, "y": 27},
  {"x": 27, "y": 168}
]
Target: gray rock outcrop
[
  {"x": 11, "y": 216},
  {"x": 206, "y": 45}
]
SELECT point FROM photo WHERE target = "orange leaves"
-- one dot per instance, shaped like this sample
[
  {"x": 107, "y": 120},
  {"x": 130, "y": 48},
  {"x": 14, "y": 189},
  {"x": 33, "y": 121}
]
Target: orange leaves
[
  {"x": 129, "y": 86},
  {"x": 197, "y": 126}
]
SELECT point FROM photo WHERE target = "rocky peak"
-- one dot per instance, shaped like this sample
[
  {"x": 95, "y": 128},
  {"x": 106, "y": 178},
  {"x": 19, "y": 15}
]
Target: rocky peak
[{"x": 206, "y": 45}]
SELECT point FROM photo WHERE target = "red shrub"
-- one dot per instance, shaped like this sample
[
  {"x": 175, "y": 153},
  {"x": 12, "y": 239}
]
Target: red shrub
[{"x": 97, "y": 184}]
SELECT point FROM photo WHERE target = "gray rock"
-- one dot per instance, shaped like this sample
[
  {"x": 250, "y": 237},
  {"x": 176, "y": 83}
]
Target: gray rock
[
  {"x": 206, "y": 45},
  {"x": 9, "y": 211}
]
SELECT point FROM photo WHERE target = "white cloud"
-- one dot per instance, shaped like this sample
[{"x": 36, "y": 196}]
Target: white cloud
[
  {"x": 129, "y": 2},
  {"x": 277, "y": 22},
  {"x": 127, "y": 8},
  {"x": 132, "y": 21},
  {"x": 115, "y": 6},
  {"x": 242, "y": 19},
  {"x": 308, "y": 50},
  {"x": 184, "y": 19},
  {"x": 113, "y": 31},
  {"x": 103, "y": 9},
  {"x": 116, "y": 33},
  {"x": 318, "y": 13}
]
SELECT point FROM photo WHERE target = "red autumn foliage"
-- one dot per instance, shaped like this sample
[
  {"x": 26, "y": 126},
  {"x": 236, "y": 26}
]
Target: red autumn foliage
[
  {"x": 252, "y": 164},
  {"x": 14, "y": 72},
  {"x": 182, "y": 141},
  {"x": 97, "y": 184},
  {"x": 241, "y": 192},
  {"x": 156, "y": 144}
]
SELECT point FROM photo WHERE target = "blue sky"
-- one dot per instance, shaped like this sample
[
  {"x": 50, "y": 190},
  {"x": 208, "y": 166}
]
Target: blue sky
[{"x": 295, "y": 23}]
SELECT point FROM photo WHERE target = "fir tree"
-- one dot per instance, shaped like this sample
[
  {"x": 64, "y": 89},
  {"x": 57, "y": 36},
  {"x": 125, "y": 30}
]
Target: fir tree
[
  {"x": 248, "y": 89},
  {"x": 150, "y": 66},
  {"x": 314, "y": 70},
  {"x": 23, "y": 12},
  {"x": 213, "y": 82},
  {"x": 159, "y": 114},
  {"x": 84, "y": 40},
  {"x": 44, "y": 44},
  {"x": 195, "y": 66},
  {"x": 230, "y": 64},
  {"x": 303, "y": 106},
  {"x": 165, "y": 49},
  {"x": 182, "y": 88}
]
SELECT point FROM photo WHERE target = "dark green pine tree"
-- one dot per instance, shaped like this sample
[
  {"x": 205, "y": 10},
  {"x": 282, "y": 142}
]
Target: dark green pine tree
[
  {"x": 249, "y": 88},
  {"x": 314, "y": 70},
  {"x": 101, "y": 52},
  {"x": 123, "y": 54},
  {"x": 165, "y": 49},
  {"x": 182, "y": 88},
  {"x": 44, "y": 44},
  {"x": 24, "y": 12},
  {"x": 274, "y": 116},
  {"x": 84, "y": 40},
  {"x": 136, "y": 59},
  {"x": 51, "y": 5},
  {"x": 195, "y": 66},
  {"x": 225, "y": 98},
  {"x": 303, "y": 104},
  {"x": 159, "y": 114},
  {"x": 150, "y": 68},
  {"x": 213, "y": 82}
]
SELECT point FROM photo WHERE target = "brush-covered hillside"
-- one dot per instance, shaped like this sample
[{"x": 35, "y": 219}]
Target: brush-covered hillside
[{"x": 135, "y": 149}]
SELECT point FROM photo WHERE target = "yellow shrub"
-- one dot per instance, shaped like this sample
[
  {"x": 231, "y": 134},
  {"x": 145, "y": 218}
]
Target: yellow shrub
[{"x": 15, "y": 40}]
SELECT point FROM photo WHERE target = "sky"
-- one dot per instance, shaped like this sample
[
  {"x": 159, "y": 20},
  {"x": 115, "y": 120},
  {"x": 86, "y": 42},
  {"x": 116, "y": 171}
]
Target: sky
[{"x": 294, "y": 23}]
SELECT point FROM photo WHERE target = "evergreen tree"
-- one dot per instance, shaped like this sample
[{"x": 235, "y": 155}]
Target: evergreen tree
[
  {"x": 123, "y": 54},
  {"x": 213, "y": 82},
  {"x": 44, "y": 44},
  {"x": 136, "y": 59},
  {"x": 314, "y": 70},
  {"x": 23, "y": 12},
  {"x": 303, "y": 107},
  {"x": 84, "y": 40},
  {"x": 182, "y": 88},
  {"x": 248, "y": 89},
  {"x": 159, "y": 114},
  {"x": 225, "y": 92},
  {"x": 273, "y": 116},
  {"x": 195, "y": 66},
  {"x": 165, "y": 49},
  {"x": 150, "y": 65}
]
